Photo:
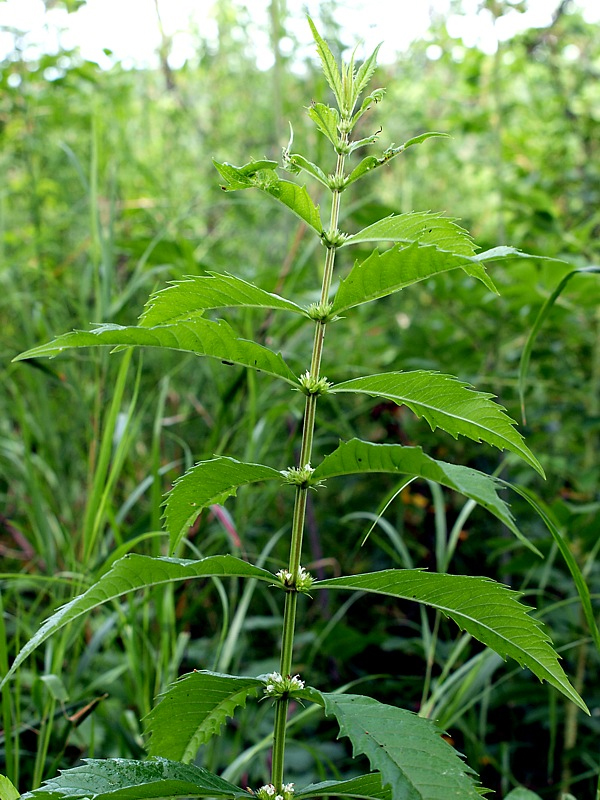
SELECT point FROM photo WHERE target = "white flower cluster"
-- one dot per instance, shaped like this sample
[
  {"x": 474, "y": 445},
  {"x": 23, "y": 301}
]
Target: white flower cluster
[
  {"x": 278, "y": 686},
  {"x": 304, "y": 580},
  {"x": 267, "y": 792}
]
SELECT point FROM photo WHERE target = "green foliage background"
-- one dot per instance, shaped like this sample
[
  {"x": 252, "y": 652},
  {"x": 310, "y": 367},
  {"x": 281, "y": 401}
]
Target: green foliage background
[{"x": 108, "y": 191}]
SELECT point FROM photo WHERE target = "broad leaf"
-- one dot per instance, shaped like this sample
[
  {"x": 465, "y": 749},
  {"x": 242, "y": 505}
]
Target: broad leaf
[
  {"x": 200, "y": 336},
  {"x": 408, "y": 750},
  {"x": 189, "y": 298},
  {"x": 326, "y": 119},
  {"x": 419, "y": 226},
  {"x": 135, "y": 572},
  {"x": 7, "y": 790},
  {"x": 204, "y": 484},
  {"x": 129, "y": 779},
  {"x": 368, "y": 787},
  {"x": 290, "y": 194},
  {"x": 382, "y": 274},
  {"x": 357, "y": 456},
  {"x": 193, "y": 710},
  {"x": 488, "y": 611},
  {"x": 328, "y": 63},
  {"x": 447, "y": 403}
]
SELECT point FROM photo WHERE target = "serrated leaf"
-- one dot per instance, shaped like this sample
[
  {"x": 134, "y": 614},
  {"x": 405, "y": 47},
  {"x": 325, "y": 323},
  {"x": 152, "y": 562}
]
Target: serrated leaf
[
  {"x": 448, "y": 403},
  {"x": 382, "y": 274},
  {"x": 129, "y": 779},
  {"x": 133, "y": 572},
  {"x": 326, "y": 119},
  {"x": 206, "y": 483},
  {"x": 408, "y": 750},
  {"x": 367, "y": 787},
  {"x": 364, "y": 74},
  {"x": 329, "y": 66},
  {"x": 295, "y": 197},
  {"x": 357, "y": 456},
  {"x": 296, "y": 162},
  {"x": 192, "y": 710},
  {"x": 488, "y": 611},
  {"x": 189, "y": 298},
  {"x": 420, "y": 226},
  {"x": 200, "y": 336}
]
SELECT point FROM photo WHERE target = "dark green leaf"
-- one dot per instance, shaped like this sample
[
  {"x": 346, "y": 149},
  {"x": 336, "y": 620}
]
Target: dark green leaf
[
  {"x": 447, "y": 403},
  {"x": 127, "y": 779},
  {"x": 193, "y": 710},
  {"x": 419, "y": 226},
  {"x": 357, "y": 456},
  {"x": 204, "y": 484},
  {"x": 488, "y": 611},
  {"x": 189, "y": 298},
  {"x": 200, "y": 336},
  {"x": 364, "y": 75},
  {"x": 367, "y": 787},
  {"x": 382, "y": 274},
  {"x": 137, "y": 572},
  {"x": 408, "y": 751}
]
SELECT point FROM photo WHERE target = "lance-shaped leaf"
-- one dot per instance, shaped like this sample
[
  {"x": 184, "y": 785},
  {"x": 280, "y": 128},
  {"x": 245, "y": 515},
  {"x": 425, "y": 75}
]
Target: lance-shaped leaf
[
  {"x": 200, "y": 336},
  {"x": 382, "y": 274},
  {"x": 368, "y": 787},
  {"x": 206, "y": 483},
  {"x": 357, "y": 456},
  {"x": 447, "y": 403},
  {"x": 326, "y": 119},
  {"x": 408, "y": 750},
  {"x": 193, "y": 710},
  {"x": 369, "y": 163},
  {"x": 419, "y": 226},
  {"x": 129, "y": 779},
  {"x": 290, "y": 194},
  {"x": 183, "y": 300},
  {"x": 490, "y": 612},
  {"x": 328, "y": 63},
  {"x": 364, "y": 75},
  {"x": 133, "y": 572}
]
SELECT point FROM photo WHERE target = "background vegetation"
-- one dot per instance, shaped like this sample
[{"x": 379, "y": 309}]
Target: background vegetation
[{"x": 108, "y": 190}]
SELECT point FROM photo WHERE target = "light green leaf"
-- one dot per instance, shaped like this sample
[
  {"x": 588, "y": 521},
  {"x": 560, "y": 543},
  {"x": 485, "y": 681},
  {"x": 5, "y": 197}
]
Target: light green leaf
[
  {"x": 408, "y": 750},
  {"x": 200, "y": 336},
  {"x": 129, "y": 779},
  {"x": 294, "y": 162},
  {"x": 357, "y": 456},
  {"x": 371, "y": 162},
  {"x": 520, "y": 793},
  {"x": 204, "y": 484},
  {"x": 133, "y": 572},
  {"x": 7, "y": 789},
  {"x": 364, "y": 75},
  {"x": 539, "y": 321},
  {"x": 329, "y": 66},
  {"x": 189, "y": 298},
  {"x": 382, "y": 274},
  {"x": 367, "y": 787},
  {"x": 447, "y": 403},
  {"x": 419, "y": 226},
  {"x": 295, "y": 197},
  {"x": 192, "y": 710},
  {"x": 326, "y": 119},
  {"x": 488, "y": 611}
]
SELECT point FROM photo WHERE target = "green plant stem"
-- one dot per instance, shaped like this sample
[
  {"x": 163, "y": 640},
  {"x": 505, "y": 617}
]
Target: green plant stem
[{"x": 308, "y": 428}]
